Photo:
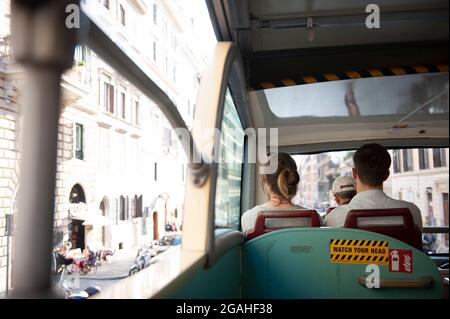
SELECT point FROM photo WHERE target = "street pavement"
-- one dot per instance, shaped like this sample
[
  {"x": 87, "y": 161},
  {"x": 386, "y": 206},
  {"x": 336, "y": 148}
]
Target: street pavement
[
  {"x": 112, "y": 270},
  {"x": 103, "y": 276}
]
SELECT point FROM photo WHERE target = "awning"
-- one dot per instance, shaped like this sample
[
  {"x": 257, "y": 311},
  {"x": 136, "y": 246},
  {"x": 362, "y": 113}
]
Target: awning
[
  {"x": 98, "y": 220},
  {"x": 78, "y": 211}
]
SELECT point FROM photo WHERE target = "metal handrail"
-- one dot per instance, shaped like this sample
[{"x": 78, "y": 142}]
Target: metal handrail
[
  {"x": 435, "y": 230},
  {"x": 421, "y": 282}
]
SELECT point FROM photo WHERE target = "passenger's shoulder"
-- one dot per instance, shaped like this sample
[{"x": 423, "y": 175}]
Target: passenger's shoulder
[
  {"x": 253, "y": 210},
  {"x": 410, "y": 205},
  {"x": 334, "y": 215},
  {"x": 340, "y": 209}
]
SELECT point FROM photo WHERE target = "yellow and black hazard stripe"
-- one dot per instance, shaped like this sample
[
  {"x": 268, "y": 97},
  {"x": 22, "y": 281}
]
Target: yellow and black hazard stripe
[
  {"x": 359, "y": 242},
  {"x": 326, "y": 77},
  {"x": 354, "y": 251}
]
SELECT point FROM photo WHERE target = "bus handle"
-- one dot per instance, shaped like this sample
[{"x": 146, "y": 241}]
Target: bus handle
[{"x": 421, "y": 282}]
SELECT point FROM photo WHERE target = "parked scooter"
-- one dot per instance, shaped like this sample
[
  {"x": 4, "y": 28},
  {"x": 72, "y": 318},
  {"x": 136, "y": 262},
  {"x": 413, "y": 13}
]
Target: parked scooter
[
  {"x": 142, "y": 260},
  {"x": 84, "y": 294}
]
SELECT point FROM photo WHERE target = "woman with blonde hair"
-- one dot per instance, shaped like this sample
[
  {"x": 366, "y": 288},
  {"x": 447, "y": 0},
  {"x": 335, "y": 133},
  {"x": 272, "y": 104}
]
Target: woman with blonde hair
[{"x": 280, "y": 187}]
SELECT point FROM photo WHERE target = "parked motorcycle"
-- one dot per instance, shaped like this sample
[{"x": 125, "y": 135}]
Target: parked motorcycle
[{"x": 142, "y": 260}]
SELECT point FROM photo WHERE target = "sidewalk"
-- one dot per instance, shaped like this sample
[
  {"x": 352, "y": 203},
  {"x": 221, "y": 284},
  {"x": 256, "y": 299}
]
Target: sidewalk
[{"x": 117, "y": 268}]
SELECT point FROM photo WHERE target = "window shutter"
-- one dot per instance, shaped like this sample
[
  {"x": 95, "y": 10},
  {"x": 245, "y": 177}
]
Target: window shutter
[{"x": 111, "y": 98}]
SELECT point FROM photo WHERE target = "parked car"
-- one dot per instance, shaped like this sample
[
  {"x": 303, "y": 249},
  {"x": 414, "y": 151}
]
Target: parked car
[{"x": 166, "y": 242}]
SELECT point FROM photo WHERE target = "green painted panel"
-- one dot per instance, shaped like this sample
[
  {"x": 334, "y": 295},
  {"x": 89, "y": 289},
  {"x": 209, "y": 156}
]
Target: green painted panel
[
  {"x": 223, "y": 280},
  {"x": 295, "y": 263}
]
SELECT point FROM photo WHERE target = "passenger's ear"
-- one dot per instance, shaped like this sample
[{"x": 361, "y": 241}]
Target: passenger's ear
[
  {"x": 337, "y": 199},
  {"x": 354, "y": 173}
]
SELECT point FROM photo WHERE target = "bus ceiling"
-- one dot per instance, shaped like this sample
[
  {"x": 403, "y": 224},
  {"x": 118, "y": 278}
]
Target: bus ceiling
[{"x": 291, "y": 39}]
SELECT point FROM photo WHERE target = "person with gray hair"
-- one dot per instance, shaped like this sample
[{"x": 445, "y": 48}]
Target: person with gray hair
[{"x": 344, "y": 189}]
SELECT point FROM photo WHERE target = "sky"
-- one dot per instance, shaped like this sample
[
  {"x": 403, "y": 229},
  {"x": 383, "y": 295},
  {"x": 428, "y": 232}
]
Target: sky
[{"x": 204, "y": 38}]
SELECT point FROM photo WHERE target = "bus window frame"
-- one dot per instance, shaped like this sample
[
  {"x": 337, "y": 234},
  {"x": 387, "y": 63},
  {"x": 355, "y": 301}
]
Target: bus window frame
[{"x": 225, "y": 71}]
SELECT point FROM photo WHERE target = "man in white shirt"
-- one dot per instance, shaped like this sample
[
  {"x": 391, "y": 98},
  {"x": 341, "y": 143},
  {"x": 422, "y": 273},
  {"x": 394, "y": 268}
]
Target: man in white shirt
[{"x": 372, "y": 162}]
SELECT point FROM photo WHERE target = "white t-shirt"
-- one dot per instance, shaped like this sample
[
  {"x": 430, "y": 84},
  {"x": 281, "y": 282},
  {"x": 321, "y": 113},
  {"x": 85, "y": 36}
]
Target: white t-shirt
[
  {"x": 371, "y": 199},
  {"x": 248, "y": 219}
]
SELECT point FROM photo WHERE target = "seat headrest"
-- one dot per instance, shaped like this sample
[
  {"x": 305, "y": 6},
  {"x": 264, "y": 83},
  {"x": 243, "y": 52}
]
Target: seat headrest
[
  {"x": 393, "y": 222},
  {"x": 270, "y": 220}
]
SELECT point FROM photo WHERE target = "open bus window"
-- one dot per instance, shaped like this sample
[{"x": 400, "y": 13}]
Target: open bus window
[
  {"x": 121, "y": 171},
  {"x": 121, "y": 175},
  {"x": 419, "y": 176}
]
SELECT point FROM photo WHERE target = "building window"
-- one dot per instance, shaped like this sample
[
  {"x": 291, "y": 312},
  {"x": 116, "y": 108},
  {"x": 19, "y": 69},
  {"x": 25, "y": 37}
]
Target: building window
[
  {"x": 139, "y": 206},
  {"x": 155, "y": 173},
  {"x": 122, "y": 15},
  {"x": 423, "y": 159},
  {"x": 439, "y": 158},
  {"x": 79, "y": 142},
  {"x": 133, "y": 207},
  {"x": 154, "y": 51},
  {"x": 136, "y": 113},
  {"x": 429, "y": 192},
  {"x": 155, "y": 13},
  {"x": 80, "y": 54},
  {"x": 105, "y": 3},
  {"x": 183, "y": 172},
  {"x": 396, "y": 161},
  {"x": 123, "y": 105},
  {"x": 174, "y": 73},
  {"x": 108, "y": 97},
  {"x": 127, "y": 208},
  {"x": 407, "y": 160},
  {"x": 122, "y": 208},
  {"x": 136, "y": 206}
]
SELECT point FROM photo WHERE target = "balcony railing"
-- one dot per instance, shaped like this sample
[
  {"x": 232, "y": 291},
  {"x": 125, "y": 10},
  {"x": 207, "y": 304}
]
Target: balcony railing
[{"x": 81, "y": 73}]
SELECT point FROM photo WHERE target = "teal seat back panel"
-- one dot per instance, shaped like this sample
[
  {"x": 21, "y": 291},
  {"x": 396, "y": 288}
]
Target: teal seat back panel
[
  {"x": 222, "y": 280},
  {"x": 296, "y": 263}
]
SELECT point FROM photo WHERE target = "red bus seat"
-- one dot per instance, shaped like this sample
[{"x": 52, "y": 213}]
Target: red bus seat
[
  {"x": 393, "y": 222},
  {"x": 267, "y": 221}
]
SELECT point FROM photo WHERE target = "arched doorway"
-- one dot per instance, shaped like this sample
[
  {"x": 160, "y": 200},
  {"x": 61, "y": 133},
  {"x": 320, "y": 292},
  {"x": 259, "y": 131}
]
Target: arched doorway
[
  {"x": 155, "y": 226},
  {"x": 76, "y": 229}
]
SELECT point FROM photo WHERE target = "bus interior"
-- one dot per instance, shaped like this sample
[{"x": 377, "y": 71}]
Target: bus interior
[{"x": 304, "y": 77}]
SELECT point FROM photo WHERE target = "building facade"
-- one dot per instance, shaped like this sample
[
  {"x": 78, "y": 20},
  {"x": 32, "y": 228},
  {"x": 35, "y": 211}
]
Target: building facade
[
  {"x": 317, "y": 174},
  {"x": 421, "y": 176},
  {"x": 9, "y": 141},
  {"x": 120, "y": 170}
]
